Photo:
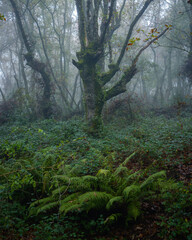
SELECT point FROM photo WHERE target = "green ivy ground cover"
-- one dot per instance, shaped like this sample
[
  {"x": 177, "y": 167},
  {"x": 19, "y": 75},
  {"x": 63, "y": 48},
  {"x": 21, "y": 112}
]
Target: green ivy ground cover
[{"x": 32, "y": 154}]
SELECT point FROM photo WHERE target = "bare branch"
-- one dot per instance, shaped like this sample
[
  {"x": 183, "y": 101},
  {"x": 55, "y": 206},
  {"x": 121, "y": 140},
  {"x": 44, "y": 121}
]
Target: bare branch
[{"x": 147, "y": 3}]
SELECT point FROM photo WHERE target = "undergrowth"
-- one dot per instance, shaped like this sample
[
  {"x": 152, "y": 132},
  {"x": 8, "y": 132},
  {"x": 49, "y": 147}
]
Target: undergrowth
[{"x": 54, "y": 176}]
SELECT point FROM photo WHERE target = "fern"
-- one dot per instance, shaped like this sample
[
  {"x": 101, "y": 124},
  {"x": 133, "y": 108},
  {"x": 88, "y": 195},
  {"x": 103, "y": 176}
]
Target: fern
[
  {"x": 121, "y": 171},
  {"x": 106, "y": 188},
  {"x": 94, "y": 200},
  {"x": 84, "y": 202},
  {"x": 49, "y": 160},
  {"x": 113, "y": 218},
  {"x": 70, "y": 197},
  {"x": 64, "y": 208},
  {"x": 47, "y": 207},
  {"x": 120, "y": 193},
  {"x": 103, "y": 172},
  {"x": 71, "y": 207},
  {"x": 128, "y": 158},
  {"x": 133, "y": 211},
  {"x": 149, "y": 182},
  {"x": 166, "y": 185},
  {"x": 75, "y": 184},
  {"x": 68, "y": 202},
  {"x": 133, "y": 177},
  {"x": 59, "y": 190},
  {"x": 65, "y": 179},
  {"x": 114, "y": 202},
  {"x": 64, "y": 169},
  {"x": 91, "y": 181},
  {"x": 41, "y": 201},
  {"x": 33, "y": 208},
  {"x": 132, "y": 192}
]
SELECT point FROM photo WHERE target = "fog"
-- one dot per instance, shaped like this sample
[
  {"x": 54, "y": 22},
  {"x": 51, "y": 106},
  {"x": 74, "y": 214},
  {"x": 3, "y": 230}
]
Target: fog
[
  {"x": 51, "y": 28},
  {"x": 95, "y": 119}
]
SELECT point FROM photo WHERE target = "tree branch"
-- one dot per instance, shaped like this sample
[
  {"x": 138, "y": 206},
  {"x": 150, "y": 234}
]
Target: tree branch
[
  {"x": 149, "y": 43},
  {"x": 106, "y": 25},
  {"x": 147, "y": 3},
  {"x": 20, "y": 24},
  {"x": 120, "y": 86}
]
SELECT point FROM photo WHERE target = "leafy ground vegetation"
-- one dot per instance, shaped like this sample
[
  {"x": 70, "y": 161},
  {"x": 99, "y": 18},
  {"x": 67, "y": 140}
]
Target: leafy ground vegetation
[{"x": 133, "y": 182}]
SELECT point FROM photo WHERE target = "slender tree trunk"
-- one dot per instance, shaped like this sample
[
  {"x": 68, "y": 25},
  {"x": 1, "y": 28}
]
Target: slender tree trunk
[
  {"x": 2, "y": 94},
  {"x": 35, "y": 65}
]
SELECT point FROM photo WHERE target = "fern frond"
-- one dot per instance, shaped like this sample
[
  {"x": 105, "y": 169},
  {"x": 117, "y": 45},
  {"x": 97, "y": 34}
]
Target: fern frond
[
  {"x": 114, "y": 202},
  {"x": 65, "y": 179},
  {"x": 133, "y": 211},
  {"x": 166, "y": 185},
  {"x": 59, "y": 190},
  {"x": 103, "y": 172},
  {"x": 41, "y": 201},
  {"x": 70, "y": 197},
  {"x": 71, "y": 208},
  {"x": 133, "y": 177},
  {"x": 75, "y": 171},
  {"x": 33, "y": 208},
  {"x": 47, "y": 207},
  {"x": 148, "y": 183},
  {"x": 128, "y": 158},
  {"x": 94, "y": 200},
  {"x": 79, "y": 184},
  {"x": 113, "y": 218},
  {"x": 121, "y": 171},
  {"x": 131, "y": 192},
  {"x": 91, "y": 180},
  {"x": 106, "y": 188},
  {"x": 68, "y": 201}
]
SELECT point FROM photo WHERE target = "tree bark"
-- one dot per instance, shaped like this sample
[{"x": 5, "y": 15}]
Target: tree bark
[{"x": 35, "y": 65}]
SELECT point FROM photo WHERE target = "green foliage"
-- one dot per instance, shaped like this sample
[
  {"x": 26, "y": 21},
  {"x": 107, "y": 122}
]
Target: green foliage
[
  {"x": 2, "y": 18},
  {"x": 107, "y": 192},
  {"x": 13, "y": 217},
  {"x": 55, "y": 168},
  {"x": 178, "y": 222},
  {"x": 132, "y": 192},
  {"x": 149, "y": 182},
  {"x": 13, "y": 150},
  {"x": 58, "y": 228}
]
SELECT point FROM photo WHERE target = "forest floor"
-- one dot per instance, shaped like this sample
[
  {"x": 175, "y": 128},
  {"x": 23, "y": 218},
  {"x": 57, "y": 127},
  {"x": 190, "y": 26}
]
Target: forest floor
[{"x": 159, "y": 143}]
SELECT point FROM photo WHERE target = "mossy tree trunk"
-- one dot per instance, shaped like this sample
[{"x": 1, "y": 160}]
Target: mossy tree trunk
[
  {"x": 93, "y": 39},
  {"x": 94, "y": 95}
]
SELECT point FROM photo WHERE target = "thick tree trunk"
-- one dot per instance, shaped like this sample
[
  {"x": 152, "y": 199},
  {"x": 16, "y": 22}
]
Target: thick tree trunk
[
  {"x": 93, "y": 39},
  {"x": 93, "y": 96}
]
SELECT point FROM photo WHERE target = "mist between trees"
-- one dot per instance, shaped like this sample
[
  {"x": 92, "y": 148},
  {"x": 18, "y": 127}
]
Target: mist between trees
[{"x": 59, "y": 58}]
